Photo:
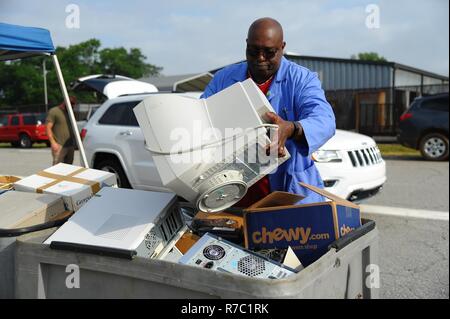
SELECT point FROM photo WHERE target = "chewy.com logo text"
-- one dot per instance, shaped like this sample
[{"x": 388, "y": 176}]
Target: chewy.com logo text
[{"x": 292, "y": 234}]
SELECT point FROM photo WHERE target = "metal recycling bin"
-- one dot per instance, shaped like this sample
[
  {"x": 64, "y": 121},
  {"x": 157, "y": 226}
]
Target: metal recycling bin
[
  {"x": 41, "y": 272},
  {"x": 7, "y": 252}
]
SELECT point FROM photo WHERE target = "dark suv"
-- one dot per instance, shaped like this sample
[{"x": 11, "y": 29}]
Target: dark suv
[{"x": 424, "y": 126}]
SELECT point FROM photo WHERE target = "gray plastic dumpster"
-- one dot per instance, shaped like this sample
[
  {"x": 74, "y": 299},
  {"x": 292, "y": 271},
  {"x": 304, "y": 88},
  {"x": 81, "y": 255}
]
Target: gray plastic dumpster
[
  {"x": 40, "y": 272},
  {"x": 7, "y": 251}
]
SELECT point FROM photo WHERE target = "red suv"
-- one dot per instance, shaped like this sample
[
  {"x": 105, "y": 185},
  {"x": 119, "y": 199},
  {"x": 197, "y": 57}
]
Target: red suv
[{"x": 23, "y": 129}]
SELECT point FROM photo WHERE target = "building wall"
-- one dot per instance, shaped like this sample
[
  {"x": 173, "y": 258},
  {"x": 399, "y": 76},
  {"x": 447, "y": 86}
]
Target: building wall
[
  {"x": 362, "y": 94},
  {"x": 431, "y": 81},
  {"x": 406, "y": 78},
  {"x": 340, "y": 75},
  {"x": 368, "y": 110}
]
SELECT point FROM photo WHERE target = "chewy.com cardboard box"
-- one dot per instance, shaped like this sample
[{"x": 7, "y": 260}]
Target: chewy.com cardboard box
[
  {"x": 75, "y": 184},
  {"x": 279, "y": 220}
]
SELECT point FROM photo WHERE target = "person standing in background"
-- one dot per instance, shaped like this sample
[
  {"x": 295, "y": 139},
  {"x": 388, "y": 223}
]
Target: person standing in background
[{"x": 60, "y": 133}]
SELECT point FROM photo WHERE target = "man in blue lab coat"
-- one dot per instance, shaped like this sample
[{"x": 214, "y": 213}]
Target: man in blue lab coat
[{"x": 305, "y": 118}]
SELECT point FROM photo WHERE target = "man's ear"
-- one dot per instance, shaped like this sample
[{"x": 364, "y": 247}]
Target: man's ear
[{"x": 284, "y": 44}]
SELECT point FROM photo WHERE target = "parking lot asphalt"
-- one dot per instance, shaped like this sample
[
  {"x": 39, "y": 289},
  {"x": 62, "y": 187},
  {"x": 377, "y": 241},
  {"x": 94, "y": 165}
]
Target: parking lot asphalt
[
  {"x": 23, "y": 162},
  {"x": 414, "y": 183},
  {"x": 413, "y": 257},
  {"x": 414, "y": 252}
]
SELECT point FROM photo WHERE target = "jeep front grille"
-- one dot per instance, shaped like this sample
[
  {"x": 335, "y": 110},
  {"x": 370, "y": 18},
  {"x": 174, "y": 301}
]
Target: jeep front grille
[{"x": 365, "y": 157}]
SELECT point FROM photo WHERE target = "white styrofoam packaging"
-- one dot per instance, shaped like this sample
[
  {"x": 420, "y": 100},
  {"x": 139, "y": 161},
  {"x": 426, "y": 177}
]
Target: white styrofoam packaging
[
  {"x": 23, "y": 209},
  {"x": 75, "y": 184}
]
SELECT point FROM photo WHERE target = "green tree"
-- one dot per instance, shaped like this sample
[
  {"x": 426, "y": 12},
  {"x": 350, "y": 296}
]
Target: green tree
[
  {"x": 76, "y": 61},
  {"x": 119, "y": 61},
  {"x": 21, "y": 81},
  {"x": 369, "y": 56}
]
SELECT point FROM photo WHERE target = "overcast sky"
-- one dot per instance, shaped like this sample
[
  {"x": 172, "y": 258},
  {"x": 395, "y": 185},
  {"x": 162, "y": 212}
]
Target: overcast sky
[{"x": 194, "y": 36}]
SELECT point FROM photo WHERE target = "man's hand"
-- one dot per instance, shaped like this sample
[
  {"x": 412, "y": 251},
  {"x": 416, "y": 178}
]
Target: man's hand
[
  {"x": 55, "y": 147},
  {"x": 285, "y": 130}
]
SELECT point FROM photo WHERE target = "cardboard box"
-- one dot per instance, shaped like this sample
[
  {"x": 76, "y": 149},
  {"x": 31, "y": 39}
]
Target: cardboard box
[
  {"x": 74, "y": 183},
  {"x": 186, "y": 242},
  {"x": 279, "y": 221},
  {"x": 224, "y": 224},
  {"x": 21, "y": 209},
  {"x": 6, "y": 182}
]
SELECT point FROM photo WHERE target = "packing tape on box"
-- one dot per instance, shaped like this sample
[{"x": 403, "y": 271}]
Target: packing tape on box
[
  {"x": 95, "y": 186},
  {"x": 7, "y": 182},
  {"x": 5, "y": 186}
]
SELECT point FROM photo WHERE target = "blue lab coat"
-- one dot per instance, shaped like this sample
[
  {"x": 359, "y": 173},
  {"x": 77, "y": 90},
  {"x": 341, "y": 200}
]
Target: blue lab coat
[{"x": 296, "y": 95}]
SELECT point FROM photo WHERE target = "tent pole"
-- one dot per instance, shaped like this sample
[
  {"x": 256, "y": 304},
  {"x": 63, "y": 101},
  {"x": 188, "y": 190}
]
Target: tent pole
[{"x": 84, "y": 161}]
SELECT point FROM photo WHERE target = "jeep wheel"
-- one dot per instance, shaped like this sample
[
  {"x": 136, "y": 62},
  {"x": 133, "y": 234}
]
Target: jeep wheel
[
  {"x": 434, "y": 147},
  {"x": 113, "y": 166},
  {"x": 25, "y": 141}
]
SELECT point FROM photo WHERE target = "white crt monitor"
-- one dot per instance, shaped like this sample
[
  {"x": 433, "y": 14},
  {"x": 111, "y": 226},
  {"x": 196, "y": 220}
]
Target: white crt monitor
[{"x": 209, "y": 151}]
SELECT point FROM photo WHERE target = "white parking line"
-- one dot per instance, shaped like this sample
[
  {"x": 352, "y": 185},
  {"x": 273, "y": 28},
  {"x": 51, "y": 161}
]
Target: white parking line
[
  {"x": 404, "y": 212},
  {"x": 29, "y": 150},
  {"x": 35, "y": 150}
]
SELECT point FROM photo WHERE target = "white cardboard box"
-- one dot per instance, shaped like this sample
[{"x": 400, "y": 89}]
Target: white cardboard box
[{"x": 74, "y": 183}]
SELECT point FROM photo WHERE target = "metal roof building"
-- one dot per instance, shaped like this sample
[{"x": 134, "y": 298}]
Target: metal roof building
[
  {"x": 351, "y": 74},
  {"x": 368, "y": 96},
  {"x": 180, "y": 83}
]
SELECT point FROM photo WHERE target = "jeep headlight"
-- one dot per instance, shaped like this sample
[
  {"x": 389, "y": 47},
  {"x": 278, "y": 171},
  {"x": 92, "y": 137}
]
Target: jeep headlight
[{"x": 326, "y": 156}]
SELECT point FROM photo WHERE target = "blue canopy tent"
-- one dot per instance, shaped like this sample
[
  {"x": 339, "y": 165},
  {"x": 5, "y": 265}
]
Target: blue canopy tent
[{"x": 17, "y": 42}]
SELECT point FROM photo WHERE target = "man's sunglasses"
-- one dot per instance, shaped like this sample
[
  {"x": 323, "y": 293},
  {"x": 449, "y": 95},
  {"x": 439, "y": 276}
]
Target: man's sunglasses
[{"x": 268, "y": 53}]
